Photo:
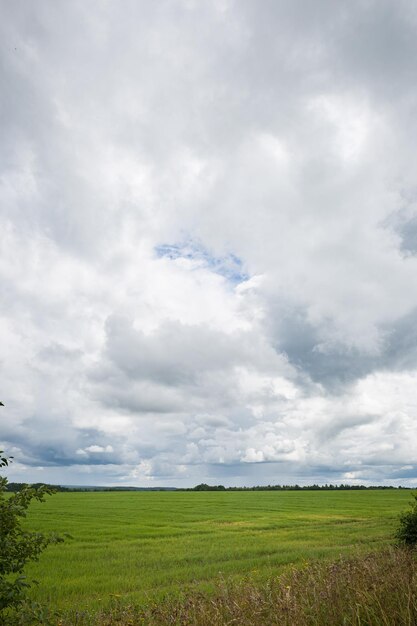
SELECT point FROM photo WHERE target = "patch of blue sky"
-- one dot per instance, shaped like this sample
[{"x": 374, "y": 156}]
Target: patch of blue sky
[{"x": 230, "y": 266}]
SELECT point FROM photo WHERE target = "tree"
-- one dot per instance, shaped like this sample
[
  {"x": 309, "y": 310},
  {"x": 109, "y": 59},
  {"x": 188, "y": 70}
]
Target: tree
[
  {"x": 407, "y": 531},
  {"x": 17, "y": 546}
]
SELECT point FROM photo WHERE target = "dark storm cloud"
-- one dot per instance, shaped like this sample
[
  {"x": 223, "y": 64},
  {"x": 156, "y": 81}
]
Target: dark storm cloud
[
  {"x": 341, "y": 366},
  {"x": 301, "y": 341},
  {"x": 338, "y": 366}
]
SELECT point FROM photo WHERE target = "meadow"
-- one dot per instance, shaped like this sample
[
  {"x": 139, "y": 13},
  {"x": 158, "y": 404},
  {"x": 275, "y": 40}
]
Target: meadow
[{"x": 143, "y": 546}]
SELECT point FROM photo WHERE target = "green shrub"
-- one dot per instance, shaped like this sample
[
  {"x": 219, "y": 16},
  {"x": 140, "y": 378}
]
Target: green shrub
[
  {"x": 17, "y": 546},
  {"x": 407, "y": 531}
]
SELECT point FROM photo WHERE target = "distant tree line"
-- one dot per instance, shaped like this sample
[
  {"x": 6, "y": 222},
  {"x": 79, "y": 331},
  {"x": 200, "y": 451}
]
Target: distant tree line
[
  {"x": 204, "y": 487},
  {"x": 326, "y": 487}
]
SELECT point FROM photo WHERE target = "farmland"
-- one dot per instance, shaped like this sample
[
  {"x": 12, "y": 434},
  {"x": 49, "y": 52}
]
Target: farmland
[{"x": 146, "y": 545}]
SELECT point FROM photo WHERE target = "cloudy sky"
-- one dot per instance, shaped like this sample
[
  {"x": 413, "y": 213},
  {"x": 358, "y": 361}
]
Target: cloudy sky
[{"x": 208, "y": 231}]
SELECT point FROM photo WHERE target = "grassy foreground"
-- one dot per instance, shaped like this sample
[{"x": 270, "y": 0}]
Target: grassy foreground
[
  {"x": 145, "y": 546},
  {"x": 379, "y": 589}
]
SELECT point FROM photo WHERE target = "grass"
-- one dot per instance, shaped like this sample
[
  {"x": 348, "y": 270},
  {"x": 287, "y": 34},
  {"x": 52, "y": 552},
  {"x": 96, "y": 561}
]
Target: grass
[
  {"x": 379, "y": 589},
  {"x": 147, "y": 546}
]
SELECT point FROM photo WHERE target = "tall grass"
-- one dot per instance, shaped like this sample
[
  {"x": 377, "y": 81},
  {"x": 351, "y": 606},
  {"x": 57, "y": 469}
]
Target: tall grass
[{"x": 379, "y": 589}]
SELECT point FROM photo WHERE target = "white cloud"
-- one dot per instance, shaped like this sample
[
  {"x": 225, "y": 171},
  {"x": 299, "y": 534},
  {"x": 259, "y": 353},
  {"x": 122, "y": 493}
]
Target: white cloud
[
  {"x": 208, "y": 241},
  {"x": 94, "y": 448}
]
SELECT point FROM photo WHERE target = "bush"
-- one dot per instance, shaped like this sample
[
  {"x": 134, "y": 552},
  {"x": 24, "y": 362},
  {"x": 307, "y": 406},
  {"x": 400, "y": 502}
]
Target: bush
[
  {"x": 17, "y": 546},
  {"x": 407, "y": 531}
]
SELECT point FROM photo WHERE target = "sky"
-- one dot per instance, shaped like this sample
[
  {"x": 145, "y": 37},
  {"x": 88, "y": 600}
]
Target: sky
[{"x": 208, "y": 241}]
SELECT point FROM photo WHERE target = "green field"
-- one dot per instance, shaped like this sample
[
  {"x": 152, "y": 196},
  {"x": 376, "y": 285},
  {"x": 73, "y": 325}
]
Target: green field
[{"x": 148, "y": 544}]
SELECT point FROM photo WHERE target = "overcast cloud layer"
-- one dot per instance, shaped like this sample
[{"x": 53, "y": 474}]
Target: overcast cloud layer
[{"x": 208, "y": 229}]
